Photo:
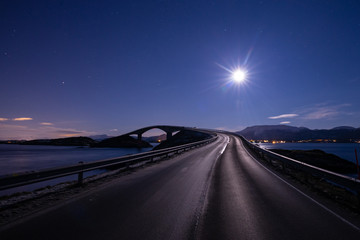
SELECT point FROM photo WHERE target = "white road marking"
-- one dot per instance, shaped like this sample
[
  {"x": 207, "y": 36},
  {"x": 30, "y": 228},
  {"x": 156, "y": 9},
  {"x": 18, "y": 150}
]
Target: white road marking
[{"x": 228, "y": 141}]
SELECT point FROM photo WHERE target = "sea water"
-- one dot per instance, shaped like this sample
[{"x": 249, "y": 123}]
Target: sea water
[
  {"x": 23, "y": 158},
  {"x": 343, "y": 150}
]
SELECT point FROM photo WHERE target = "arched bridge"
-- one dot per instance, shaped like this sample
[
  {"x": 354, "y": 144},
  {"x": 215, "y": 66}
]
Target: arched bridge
[{"x": 168, "y": 129}]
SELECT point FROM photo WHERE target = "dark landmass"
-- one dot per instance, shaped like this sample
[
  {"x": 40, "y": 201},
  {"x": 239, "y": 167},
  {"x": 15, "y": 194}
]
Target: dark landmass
[
  {"x": 183, "y": 137},
  {"x": 71, "y": 141},
  {"x": 320, "y": 159},
  {"x": 99, "y": 138},
  {"x": 12, "y": 141},
  {"x": 123, "y": 141},
  {"x": 294, "y": 134}
]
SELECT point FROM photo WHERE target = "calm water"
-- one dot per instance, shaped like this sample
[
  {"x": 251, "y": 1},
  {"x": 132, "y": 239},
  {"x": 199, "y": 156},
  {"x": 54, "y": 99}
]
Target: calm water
[
  {"x": 21, "y": 158},
  {"x": 343, "y": 150}
]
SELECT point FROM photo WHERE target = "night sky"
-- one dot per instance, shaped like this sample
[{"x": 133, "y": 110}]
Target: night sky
[{"x": 71, "y": 68}]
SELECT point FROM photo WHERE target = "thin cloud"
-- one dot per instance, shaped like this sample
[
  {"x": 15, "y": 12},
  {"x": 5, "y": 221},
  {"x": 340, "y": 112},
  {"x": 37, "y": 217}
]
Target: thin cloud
[
  {"x": 69, "y": 132},
  {"x": 5, "y": 126},
  {"x": 17, "y": 132},
  {"x": 288, "y": 115},
  {"x": 70, "y": 135},
  {"x": 46, "y": 124},
  {"x": 285, "y": 122},
  {"x": 114, "y": 130},
  {"x": 324, "y": 112},
  {"x": 321, "y": 113},
  {"x": 228, "y": 129},
  {"x": 22, "y": 119},
  {"x": 3, "y": 119}
]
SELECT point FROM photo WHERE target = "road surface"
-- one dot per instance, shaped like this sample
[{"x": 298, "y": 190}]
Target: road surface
[{"x": 214, "y": 192}]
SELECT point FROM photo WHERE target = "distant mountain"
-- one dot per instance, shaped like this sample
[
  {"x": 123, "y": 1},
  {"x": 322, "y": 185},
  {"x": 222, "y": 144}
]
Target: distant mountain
[
  {"x": 343, "y": 128},
  {"x": 290, "y": 133}
]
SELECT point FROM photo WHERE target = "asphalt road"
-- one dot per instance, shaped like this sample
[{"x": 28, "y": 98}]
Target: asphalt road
[
  {"x": 215, "y": 192},
  {"x": 247, "y": 201}
]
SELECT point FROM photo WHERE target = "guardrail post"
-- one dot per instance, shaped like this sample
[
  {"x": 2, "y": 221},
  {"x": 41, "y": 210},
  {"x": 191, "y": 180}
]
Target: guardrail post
[{"x": 80, "y": 176}]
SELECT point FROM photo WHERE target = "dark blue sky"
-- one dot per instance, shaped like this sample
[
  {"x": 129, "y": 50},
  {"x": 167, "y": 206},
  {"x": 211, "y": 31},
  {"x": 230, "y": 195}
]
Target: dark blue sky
[{"x": 70, "y": 68}]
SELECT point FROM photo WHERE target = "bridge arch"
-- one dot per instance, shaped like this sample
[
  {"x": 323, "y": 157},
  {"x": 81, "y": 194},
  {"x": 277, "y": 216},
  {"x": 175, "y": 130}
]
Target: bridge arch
[{"x": 169, "y": 130}]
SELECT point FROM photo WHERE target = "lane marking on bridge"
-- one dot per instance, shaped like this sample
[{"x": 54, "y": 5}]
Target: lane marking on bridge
[
  {"x": 228, "y": 141},
  {"x": 305, "y": 195}
]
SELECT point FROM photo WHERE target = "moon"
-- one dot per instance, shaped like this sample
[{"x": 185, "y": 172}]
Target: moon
[{"x": 239, "y": 75}]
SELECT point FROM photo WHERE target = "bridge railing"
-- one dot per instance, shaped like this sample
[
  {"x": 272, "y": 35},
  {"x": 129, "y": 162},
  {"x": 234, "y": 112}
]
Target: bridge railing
[
  {"x": 311, "y": 174},
  {"x": 26, "y": 178}
]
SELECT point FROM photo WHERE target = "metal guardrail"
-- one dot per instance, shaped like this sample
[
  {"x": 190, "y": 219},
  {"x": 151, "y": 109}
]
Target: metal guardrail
[
  {"x": 349, "y": 183},
  {"x": 26, "y": 178}
]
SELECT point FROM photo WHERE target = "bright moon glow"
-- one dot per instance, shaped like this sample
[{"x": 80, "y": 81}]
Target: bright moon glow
[{"x": 238, "y": 75}]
